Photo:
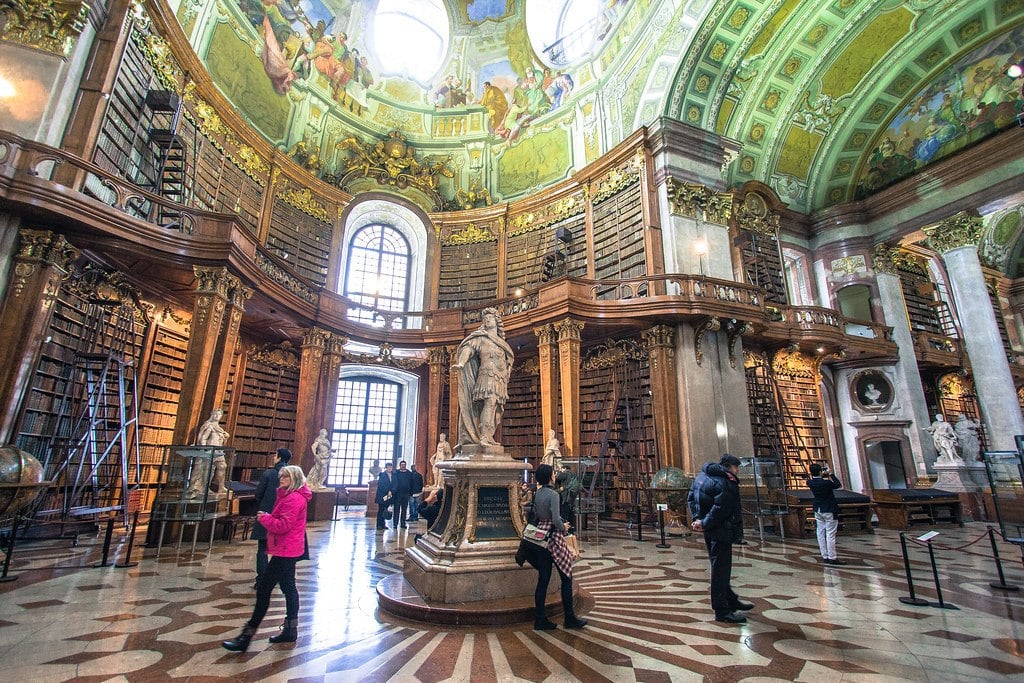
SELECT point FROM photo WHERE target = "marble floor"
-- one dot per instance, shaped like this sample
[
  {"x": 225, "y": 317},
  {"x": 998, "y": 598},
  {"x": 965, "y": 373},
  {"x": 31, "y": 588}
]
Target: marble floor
[{"x": 648, "y": 608}]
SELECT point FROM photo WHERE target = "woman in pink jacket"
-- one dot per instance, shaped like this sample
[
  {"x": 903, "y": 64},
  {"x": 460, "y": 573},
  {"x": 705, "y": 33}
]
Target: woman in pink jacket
[{"x": 286, "y": 545}]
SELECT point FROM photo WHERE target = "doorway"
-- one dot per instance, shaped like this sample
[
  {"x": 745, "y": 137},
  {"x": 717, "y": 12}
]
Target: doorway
[{"x": 885, "y": 464}]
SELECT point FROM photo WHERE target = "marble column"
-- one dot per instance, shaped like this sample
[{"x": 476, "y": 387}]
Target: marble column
[
  {"x": 38, "y": 267},
  {"x": 548, "y": 353},
  {"x": 569, "y": 377},
  {"x": 308, "y": 411},
  {"x": 956, "y": 239},
  {"x": 437, "y": 362},
  {"x": 227, "y": 346},
  {"x": 908, "y": 388}
]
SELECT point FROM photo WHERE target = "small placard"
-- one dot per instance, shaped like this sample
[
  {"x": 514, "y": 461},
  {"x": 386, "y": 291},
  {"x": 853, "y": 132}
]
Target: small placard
[
  {"x": 928, "y": 536},
  {"x": 662, "y": 506}
]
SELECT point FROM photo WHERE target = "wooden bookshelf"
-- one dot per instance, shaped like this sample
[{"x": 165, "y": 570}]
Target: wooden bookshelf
[
  {"x": 618, "y": 236},
  {"x": 761, "y": 259},
  {"x": 469, "y": 275},
  {"x": 265, "y": 419},
  {"x": 919, "y": 297},
  {"x": 521, "y": 428},
  {"x": 303, "y": 241}
]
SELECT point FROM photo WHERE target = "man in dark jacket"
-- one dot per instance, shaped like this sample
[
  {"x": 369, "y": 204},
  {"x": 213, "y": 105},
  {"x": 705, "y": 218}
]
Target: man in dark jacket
[
  {"x": 384, "y": 496},
  {"x": 417, "y": 489},
  {"x": 266, "y": 496},
  {"x": 401, "y": 486},
  {"x": 714, "y": 503},
  {"x": 826, "y": 510}
]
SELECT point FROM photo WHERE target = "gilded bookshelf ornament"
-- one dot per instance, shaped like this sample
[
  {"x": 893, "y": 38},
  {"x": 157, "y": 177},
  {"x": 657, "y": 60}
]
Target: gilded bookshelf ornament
[
  {"x": 392, "y": 161},
  {"x": 304, "y": 200},
  {"x": 471, "y": 234},
  {"x": 49, "y": 25}
]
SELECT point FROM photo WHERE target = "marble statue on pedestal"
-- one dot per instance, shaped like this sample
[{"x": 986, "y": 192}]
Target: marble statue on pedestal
[
  {"x": 442, "y": 453},
  {"x": 945, "y": 441},
  {"x": 321, "y": 448},
  {"x": 484, "y": 362},
  {"x": 210, "y": 434},
  {"x": 967, "y": 434},
  {"x": 552, "y": 450}
]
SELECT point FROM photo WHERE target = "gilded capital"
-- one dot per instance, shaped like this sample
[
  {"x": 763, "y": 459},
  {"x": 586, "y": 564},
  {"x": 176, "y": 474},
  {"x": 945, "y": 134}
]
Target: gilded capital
[
  {"x": 45, "y": 246},
  {"x": 336, "y": 344},
  {"x": 569, "y": 329},
  {"x": 437, "y": 355},
  {"x": 213, "y": 280},
  {"x": 315, "y": 337},
  {"x": 659, "y": 335},
  {"x": 546, "y": 334},
  {"x": 959, "y": 230},
  {"x": 239, "y": 293},
  {"x": 885, "y": 259}
]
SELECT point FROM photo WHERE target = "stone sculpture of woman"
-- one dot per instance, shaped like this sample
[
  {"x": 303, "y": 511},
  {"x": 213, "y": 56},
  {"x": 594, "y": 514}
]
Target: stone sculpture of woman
[
  {"x": 321, "y": 448},
  {"x": 552, "y": 450},
  {"x": 944, "y": 439},
  {"x": 443, "y": 452},
  {"x": 210, "y": 434},
  {"x": 484, "y": 363},
  {"x": 967, "y": 434}
]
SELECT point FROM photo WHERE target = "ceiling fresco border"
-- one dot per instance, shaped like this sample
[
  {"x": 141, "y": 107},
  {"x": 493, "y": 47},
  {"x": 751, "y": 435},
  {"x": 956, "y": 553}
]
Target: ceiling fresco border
[{"x": 790, "y": 112}]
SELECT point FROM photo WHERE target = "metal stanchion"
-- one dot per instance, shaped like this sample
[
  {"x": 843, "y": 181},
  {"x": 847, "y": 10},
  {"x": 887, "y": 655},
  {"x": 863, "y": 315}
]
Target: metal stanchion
[
  {"x": 106, "y": 544},
  {"x": 640, "y": 525},
  {"x": 913, "y": 599},
  {"x": 661, "y": 523},
  {"x": 131, "y": 542},
  {"x": 10, "y": 551},
  {"x": 1002, "y": 585},
  {"x": 935, "y": 574}
]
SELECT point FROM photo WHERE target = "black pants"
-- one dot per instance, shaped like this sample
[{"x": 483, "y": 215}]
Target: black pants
[
  {"x": 401, "y": 510},
  {"x": 280, "y": 570},
  {"x": 261, "y": 556},
  {"x": 382, "y": 513},
  {"x": 723, "y": 599},
  {"x": 544, "y": 565}
]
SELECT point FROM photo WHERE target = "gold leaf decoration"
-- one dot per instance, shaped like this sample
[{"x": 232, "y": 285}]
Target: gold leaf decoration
[{"x": 49, "y": 25}]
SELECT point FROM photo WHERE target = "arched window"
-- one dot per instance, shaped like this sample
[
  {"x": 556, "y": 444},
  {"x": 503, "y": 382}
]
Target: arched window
[
  {"x": 377, "y": 273},
  {"x": 367, "y": 427}
]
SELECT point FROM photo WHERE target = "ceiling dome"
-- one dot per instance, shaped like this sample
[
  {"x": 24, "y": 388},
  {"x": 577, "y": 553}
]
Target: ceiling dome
[{"x": 410, "y": 38}]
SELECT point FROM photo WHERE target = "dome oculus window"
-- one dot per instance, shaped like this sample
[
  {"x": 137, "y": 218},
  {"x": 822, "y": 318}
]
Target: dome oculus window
[
  {"x": 410, "y": 38},
  {"x": 565, "y": 32}
]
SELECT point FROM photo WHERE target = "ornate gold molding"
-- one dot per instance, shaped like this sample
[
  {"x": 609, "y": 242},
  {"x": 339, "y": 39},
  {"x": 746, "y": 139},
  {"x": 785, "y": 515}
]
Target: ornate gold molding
[
  {"x": 385, "y": 356},
  {"x": 888, "y": 259},
  {"x": 659, "y": 335},
  {"x": 619, "y": 178},
  {"x": 285, "y": 279},
  {"x": 697, "y": 201},
  {"x": 752, "y": 215},
  {"x": 304, "y": 200},
  {"x": 788, "y": 363},
  {"x": 283, "y": 355},
  {"x": 566, "y": 207},
  {"x": 239, "y": 294},
  {"x": 568, "y": 329},
  {"x": 49, "y": 25},
  {"x": 610, "y": 354},
  {"x": 959, "y": 230},
  {"x": 392, "y": 161},
  {"x": 315, "y": 337},
  {"x": 470, "y": 234},
  {"x": 437, "y": 355},
  {"x": 733, "y": 333}
]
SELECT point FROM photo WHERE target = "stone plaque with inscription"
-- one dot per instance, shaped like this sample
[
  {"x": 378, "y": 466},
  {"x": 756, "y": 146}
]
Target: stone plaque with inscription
[{"x": 493, "y": 514}]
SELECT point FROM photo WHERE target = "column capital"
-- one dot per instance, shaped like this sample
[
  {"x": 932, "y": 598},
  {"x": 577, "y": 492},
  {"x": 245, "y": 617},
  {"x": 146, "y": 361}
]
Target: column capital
[
  {"x": 437, "y": 355},
  {"x": 213, "y": 280},
  {"x": 959, "y": 230},
  {"x": 569, "y": 329},
  {"x": 315, "y": 337},
  {"x": 238, "y": 293},
  {"x": 659, "y": 335},
  {"x": 45, "y": 246},
  {"x": 697, "y": 201},
  {"x": 890, "y": 259},
  {"x": 546, "y": 334}
]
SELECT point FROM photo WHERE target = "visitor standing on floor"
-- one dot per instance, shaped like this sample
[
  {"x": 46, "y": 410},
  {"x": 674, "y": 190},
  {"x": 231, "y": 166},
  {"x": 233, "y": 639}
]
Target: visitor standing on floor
[
  {"x": 401, "y": 487},
  {"x": 417, "y": 489},
  {"x": 384, "y": 497},
  {"x": 546, "y": 505},
  {"x": 286, "y": 545},
  {"x": 826, "y": 510},
  {"x": 266, "y": 496},
  {"x": 714, "y": 503}
]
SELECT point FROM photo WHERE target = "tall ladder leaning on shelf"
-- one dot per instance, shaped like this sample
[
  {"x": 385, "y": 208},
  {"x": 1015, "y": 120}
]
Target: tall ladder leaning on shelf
[
  {"x": 93, "y": 455},
  {"x": 171, "y": 169}
]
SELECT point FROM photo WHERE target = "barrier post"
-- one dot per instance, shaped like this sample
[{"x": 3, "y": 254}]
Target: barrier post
[
  {"x": 10, "y": 551},
  {"x": 913, "y": 599},
  {"x": 131, "y": 543},
  {"x": 1002, "y": 585},
  {"x": 639, "y": 524},
  {"x": 661, "y": 523},
  {"x": 935, "y": 574},
  {"x": 106, "y": 543}
]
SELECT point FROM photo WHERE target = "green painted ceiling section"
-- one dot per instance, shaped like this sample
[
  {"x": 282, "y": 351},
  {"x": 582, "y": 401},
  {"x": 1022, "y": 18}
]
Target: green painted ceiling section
[{"x": 811, "y": 88}]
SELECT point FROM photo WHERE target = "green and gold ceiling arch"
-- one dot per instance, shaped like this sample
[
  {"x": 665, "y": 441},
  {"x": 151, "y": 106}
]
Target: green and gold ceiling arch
[{"x": 811, "y": 89}]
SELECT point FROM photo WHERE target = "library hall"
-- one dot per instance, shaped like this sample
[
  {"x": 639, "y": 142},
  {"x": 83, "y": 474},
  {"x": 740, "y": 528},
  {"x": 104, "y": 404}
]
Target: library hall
[{"x": 511, "y": 340}]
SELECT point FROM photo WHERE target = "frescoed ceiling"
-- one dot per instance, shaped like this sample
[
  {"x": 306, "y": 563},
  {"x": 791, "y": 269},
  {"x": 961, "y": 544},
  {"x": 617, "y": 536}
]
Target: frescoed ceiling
[{"x": 831, "y": 99}]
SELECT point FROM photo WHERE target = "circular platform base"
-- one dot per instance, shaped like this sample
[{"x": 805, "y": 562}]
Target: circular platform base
[{"x": 396, "y": 596}]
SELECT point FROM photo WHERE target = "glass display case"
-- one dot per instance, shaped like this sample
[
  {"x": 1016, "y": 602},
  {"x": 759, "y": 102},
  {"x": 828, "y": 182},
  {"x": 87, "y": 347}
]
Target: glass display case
[
  {"x": 194, "y": 489},
  {"x": 1005, "y": 471}
]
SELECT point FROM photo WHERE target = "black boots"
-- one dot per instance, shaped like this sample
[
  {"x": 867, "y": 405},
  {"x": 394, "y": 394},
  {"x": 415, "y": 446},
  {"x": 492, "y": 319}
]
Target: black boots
[
  {"x": 241, "y": 643},
  {"x": 544, "y": 624},
  {"x": 289, "y": 632},
  {"x": 572, "y": 621}
]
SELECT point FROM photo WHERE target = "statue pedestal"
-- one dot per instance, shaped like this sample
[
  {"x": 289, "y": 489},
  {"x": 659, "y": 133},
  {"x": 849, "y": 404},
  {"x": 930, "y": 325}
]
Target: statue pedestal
[
  {"x": 967, "y": 481},
  {"x": 464, "y": 567},
  {"x": 321, "y": 508}
]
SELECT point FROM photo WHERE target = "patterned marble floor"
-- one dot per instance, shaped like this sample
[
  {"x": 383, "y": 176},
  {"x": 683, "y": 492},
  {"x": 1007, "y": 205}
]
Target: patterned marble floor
[{"x": 648, "y": 609}]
